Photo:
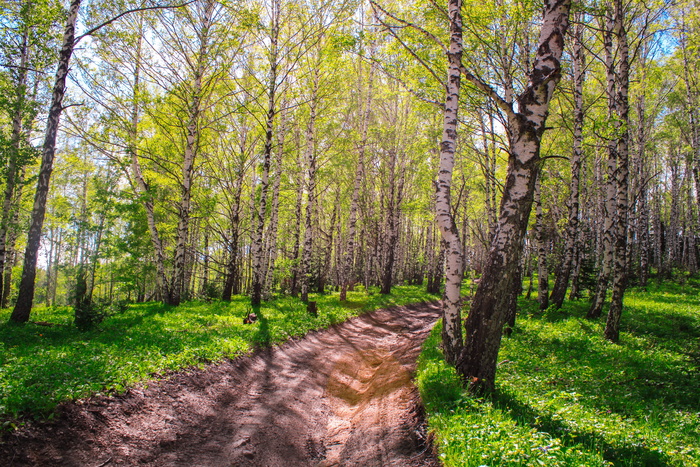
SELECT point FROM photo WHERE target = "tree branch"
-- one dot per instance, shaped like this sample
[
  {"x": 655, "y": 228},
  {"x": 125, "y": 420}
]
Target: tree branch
[
  {"x": 403, "y": 83},
  {"x": 426, "y": 33},
  {"x": 391, "y": 31},
  {"x": 120, "y": 15},
  {"x": 489, "y": 91},
  {"x": 9, "y": 65}
]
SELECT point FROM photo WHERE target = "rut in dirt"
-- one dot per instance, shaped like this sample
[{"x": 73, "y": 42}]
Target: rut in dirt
[{"x": 340, "y": 396}]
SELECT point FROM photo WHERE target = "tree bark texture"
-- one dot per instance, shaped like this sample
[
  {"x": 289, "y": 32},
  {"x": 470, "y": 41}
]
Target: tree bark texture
[
  {"x": 562, "y": 280},
  {"x": 23, "y": 306},
  {"x": 612, "y": 326},
  {"x": 307, "y": 246},
  {"x": 141, "y": 187},
  {"x": 608, "y": 234},
  {"x": 179, "y": 283},
  {"x": 297, "y": 230},
  {"x": 274, "y": 214},
  {"x": 643, "y": 192},
  {"x": 452, "y": 340},
  {"x": 257, "y": 252},
  {"x": 540, "y": 237},
  {"x": 13, "y": 162},
  {"x": 347, "y": 267},
  {"x": 393, "y": 218},
  {"x": 489, "y": 308},
  {"x": 232, "y": 244}
]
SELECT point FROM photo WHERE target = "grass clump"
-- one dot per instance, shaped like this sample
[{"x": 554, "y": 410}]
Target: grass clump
[
  {"x": 567, "y": 397},
  {"x": 43, "y": 365}
]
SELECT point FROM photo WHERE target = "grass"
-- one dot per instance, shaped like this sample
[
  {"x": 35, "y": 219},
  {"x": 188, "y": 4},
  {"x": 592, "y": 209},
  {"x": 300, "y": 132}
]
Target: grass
[
  {"x": 566, "y": 397},
  {"x": 42, "y": 366}
]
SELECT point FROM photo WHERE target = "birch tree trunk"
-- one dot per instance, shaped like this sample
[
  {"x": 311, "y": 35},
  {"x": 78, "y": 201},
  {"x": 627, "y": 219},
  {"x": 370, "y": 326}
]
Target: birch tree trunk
[
  {"x": 13, "y": 162},
  {"x": 347, "y": 267},
  {"x": 576, "y": 268},
  {"x": 643, "y": 192},
  {"x": 612, "y": 326},
  {"x": 49, "y": 265},
  {"x": 232, "y": 270},
  {"x": 488, "y": 168},
  {"x": 691, "y": 82},
  {"x": 610, "y": 205},
  {"x": 307, "y": 247},
  {"x": 141, "y": 187},
  {"x": 297, "y": 231},
  {"x": 10, "y": 248},
  {"x": 204, "y": 289},
  {"x": 673, "y": 245},
  {"x": 454, "y": 269},
  {"x": 542, "y": 273},
  {"x": 393, "y": 217},
  {"x": 562, "y": 280},
  {"x": 489, "y": 308},
  {"x": 259, "y": 217},
  {"x": 56, "y": 263},
  {"x": 274, "y": 215},
  {"x": 179, "y": 283},
  {"x": 23, "y": 306}
]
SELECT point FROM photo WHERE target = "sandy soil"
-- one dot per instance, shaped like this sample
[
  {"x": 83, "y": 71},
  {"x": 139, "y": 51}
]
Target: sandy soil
[{"x": 342, "y": 396}]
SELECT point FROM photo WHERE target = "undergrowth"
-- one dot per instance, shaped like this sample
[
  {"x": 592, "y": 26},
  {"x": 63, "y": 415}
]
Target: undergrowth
[
  {"x": 43, "y": 365},
  {"x": 567, "y": 397}
]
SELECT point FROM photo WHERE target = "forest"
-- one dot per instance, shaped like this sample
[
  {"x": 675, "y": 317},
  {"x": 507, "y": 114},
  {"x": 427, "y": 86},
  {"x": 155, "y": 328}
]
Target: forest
[{"x": 527, "y": 162}]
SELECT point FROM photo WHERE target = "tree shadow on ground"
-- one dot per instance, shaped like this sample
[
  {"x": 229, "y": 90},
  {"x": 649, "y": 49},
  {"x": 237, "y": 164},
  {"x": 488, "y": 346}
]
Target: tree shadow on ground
[
  {"x": 625, "y": 454},
  {"x": 262, "y": 337}
]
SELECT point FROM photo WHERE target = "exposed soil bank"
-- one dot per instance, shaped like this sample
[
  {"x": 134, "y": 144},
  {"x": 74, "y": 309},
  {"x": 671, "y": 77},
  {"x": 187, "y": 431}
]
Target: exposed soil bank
[{"x": 341, "y": 396}]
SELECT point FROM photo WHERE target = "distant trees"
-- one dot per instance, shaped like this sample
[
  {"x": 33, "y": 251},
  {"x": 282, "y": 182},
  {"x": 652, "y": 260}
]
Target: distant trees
[
  {"x": 286, "y": 148},
  {"x": 26, "y": 37}
]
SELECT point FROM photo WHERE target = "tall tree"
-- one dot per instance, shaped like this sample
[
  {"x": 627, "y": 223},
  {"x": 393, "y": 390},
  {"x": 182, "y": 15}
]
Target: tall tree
[
  {"x": 23, "y": 306},
  {"x": 609, "y": 206},
  {"x": 272, "y": 96},
  {"x": 203, "y": 19},
  {"x": 540, "y": 238},
  {"x": 311, "y": 159},
  {"x": 621, "y": 106},
  {"x": 489, "y": 308},
  {"x": 347, "y": 267},
  {"x": 454, "y": 267},
  {"x": 579, "y": 66}
]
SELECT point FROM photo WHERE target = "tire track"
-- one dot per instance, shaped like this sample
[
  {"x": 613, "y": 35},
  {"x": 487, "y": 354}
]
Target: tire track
[{"x": 340, "y": 396}]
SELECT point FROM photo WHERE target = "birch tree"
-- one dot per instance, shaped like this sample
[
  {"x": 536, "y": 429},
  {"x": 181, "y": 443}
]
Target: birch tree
[
  {"x": 622, "y": 122},
  {"x": 454, "y": 267},
  {"x": 542, "y": 272},
  {"x": 608, "y": 233},
  {"x": 526, "y": 125},
  {"x": 571, "y": 235},
  {"x": 202, "y": 20},
  {"x": 23, "y": 306}
]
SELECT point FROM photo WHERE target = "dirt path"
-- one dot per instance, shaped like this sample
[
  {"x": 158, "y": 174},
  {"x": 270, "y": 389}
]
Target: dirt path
[{"x": 342, "y": 396}]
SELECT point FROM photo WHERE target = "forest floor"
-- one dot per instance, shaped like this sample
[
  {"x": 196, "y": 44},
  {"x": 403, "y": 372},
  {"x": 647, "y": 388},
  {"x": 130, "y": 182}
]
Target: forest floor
[
  {"x": 340, "y": 396},
  {"x": 567, "y": 397}
]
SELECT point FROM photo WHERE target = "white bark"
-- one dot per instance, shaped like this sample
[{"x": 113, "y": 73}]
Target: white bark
[
  {"x": 493, "y": 298},
  {"x": 454, "y": 268}
]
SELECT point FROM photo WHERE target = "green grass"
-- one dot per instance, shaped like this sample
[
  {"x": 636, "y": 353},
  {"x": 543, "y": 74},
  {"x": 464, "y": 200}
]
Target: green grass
[
  {"x": 42, "y": 366},
  {"x": 566, "y": 397}
]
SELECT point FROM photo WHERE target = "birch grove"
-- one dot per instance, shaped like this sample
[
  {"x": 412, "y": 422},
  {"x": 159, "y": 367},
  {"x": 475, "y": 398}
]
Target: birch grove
[{"x": 263, "y": 149}]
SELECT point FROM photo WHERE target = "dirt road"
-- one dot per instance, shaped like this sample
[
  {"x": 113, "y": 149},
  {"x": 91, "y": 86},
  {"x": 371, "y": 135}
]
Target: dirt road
[{"x": 341, "y": 396}]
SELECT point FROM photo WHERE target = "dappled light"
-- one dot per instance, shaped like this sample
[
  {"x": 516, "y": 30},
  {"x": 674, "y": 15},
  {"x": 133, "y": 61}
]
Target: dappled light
[
  {"x": 45, "y": 365},
  {"x": 567, "y": 397}
]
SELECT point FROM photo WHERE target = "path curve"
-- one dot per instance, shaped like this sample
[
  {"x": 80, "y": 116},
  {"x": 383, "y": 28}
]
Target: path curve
[{"x": 340, "y": 396}]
